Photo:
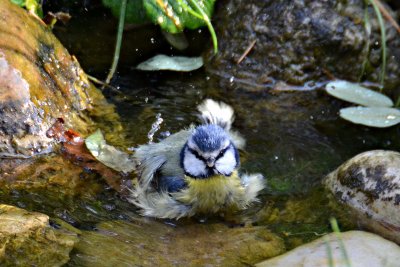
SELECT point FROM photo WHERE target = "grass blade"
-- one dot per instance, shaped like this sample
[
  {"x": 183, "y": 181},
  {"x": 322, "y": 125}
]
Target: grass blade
[
  {"x": 383, "y": 40},
  {"x": 367, "y": 26},
  {"x": 336, "y": 230},
  {"x": 208, "y": 23},
  {"x": 329, "y": 252},
  {"x": 118, "y": 42}
]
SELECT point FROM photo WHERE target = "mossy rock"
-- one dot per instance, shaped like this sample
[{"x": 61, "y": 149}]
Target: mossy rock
[
  {"x": 40, "y": 82},
  {"x": 26, "y": 239}
]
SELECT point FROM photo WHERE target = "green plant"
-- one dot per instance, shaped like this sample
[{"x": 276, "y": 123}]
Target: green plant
[
  {"x": 367, "y": 26},
  {"x": 383, "y": 40},
  {"x": 172, "y": 15},
  {"x": 118, "y": 43},
  {"x": 33, "y": 6},
  {"x": 336, "y": 230}
]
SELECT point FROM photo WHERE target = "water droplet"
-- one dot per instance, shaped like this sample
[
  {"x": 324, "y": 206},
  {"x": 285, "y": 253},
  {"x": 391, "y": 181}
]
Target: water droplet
[
  {"x": 154, "y": 127},
  {"x": 391, "y": 117},
  {"x": 152, "y": 40}
]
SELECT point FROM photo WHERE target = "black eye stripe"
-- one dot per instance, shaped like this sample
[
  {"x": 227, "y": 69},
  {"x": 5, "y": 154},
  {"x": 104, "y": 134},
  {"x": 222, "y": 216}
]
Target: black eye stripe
[
  {"x": 222, "y": 153},
  {"x": 197, "y": 155}
]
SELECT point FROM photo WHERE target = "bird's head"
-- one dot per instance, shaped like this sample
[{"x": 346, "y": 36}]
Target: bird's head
[{"x": 209, "y": 151}]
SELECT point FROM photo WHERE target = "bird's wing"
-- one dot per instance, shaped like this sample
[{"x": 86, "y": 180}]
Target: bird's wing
[{"x": 148, "y": 167}]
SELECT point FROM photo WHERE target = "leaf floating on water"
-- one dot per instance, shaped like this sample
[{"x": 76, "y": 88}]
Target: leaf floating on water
[
  {"x": 357, "y": 94},
  {"x": 108, "y": 155},
  {"x": 74, "y": 149},
  {"x": 380, "y": 117},
  {"x": 163, "y": 62}
]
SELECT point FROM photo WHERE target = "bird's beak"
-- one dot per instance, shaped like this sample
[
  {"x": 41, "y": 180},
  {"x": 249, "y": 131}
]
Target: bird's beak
[{"x": 210, "y": 162}]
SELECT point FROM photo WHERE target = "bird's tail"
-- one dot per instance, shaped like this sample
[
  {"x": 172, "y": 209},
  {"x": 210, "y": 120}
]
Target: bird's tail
[{"x": 213, "y": 112}]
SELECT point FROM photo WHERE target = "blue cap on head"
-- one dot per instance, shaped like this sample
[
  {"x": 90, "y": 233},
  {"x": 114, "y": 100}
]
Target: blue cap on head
[{"x": 209, "y": 137}]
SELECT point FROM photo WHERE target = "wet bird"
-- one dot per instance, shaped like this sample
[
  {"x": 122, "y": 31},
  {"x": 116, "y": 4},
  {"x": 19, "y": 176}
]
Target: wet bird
[{"x": 195, "y": 171}]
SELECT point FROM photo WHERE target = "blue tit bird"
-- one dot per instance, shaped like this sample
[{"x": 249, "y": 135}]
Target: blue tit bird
[{"x": 195, "y": 171}]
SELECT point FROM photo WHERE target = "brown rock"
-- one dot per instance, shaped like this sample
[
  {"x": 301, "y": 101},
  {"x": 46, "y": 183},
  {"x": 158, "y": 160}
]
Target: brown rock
[
  {"x": 40, "y": 82},
  {"x": 26, "y": 239}
]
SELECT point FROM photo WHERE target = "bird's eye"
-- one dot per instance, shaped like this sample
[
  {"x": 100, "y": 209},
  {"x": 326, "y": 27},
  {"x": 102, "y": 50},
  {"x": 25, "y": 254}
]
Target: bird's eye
[{"x": 221, "y": 153}]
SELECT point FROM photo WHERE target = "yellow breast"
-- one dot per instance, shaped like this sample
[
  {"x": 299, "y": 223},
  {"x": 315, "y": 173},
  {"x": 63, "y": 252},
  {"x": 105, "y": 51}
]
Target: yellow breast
[{"x": 214, "y": 193}]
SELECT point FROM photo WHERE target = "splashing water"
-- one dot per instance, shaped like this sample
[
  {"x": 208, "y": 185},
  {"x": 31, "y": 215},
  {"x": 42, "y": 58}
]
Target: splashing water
[{"x": 154, "y": 127}]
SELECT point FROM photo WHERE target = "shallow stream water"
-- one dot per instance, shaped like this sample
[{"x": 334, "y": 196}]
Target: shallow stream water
[{"x": 293, "y": 138}]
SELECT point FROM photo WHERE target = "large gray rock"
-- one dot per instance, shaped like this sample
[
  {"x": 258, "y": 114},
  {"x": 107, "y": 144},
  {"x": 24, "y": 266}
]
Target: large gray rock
[
  {"x": 369, "y": 185},
  {"x": 363, "y": 249},
  {"x": 299, "y": 42}
]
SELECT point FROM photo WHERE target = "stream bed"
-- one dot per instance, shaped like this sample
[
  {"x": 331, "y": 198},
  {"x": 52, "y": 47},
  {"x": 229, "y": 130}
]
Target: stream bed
[{"x": 293, "y": 138}]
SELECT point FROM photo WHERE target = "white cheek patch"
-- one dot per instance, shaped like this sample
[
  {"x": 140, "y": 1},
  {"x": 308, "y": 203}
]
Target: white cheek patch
[
  {"x": 193, "y": 165},
  {"x": 227, "y": 163}
]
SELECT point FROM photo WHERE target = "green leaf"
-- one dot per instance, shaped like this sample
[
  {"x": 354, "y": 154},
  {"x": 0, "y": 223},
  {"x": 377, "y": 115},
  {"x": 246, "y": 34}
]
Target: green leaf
[
  {"x": 380, "y": 117},
  {"x": 135, "y": 12},
  {"x": 177, "y": 40},
  {"x": 108, "y": 155},
  {"x": 31, "y": 5},
  {"x": 172, "y": 15},
  {"x": 357, "y": 94},
  {"x": 21, "y": 3},
  {"x": 163, "y": 62},
  {"x": 175, "y": 15}
]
